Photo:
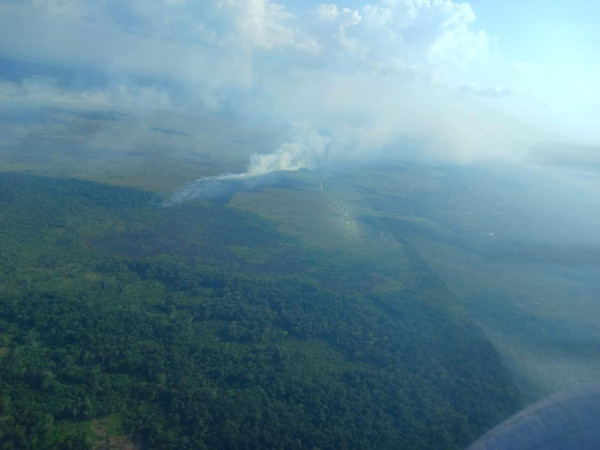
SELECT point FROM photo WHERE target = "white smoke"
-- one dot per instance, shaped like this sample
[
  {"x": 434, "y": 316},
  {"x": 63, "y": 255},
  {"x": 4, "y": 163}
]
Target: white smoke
[{"x": 305, "y": 152}]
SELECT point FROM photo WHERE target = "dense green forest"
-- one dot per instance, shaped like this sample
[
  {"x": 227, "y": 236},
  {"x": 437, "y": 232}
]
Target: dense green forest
[{"x": 127, "y": 324}]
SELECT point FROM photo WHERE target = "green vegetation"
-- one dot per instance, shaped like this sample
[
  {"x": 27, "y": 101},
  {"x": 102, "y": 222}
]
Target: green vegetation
[
  {"x": 124, "y": 324},
  {"x": 515, "y": 250}
]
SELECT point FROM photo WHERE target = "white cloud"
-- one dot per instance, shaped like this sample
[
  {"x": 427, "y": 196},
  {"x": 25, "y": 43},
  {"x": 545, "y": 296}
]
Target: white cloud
[
  {"x": 327, "y": 12},
  {"x": 376, "y": 16},
  {"x": 350, "y": 17},
  {"x": 263, "y": 24},
  {"x": 65, "y": 8},
  {"x": 489, "y": 92},
  {"x": 433, "y": 32}
]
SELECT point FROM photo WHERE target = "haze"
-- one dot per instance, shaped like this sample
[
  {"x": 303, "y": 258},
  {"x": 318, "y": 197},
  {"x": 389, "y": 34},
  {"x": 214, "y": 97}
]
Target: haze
[{"x": 460, "y": 81}]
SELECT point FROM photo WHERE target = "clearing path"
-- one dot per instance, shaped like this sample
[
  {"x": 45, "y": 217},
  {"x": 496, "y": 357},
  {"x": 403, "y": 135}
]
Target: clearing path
[
  {"x": 386, "y": 239},
  {"x": 345, "y": 212},
  {"x": 333, "y": 201}
]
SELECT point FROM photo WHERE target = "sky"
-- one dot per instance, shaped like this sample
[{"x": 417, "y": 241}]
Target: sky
[{"x": 478, "y": 81}]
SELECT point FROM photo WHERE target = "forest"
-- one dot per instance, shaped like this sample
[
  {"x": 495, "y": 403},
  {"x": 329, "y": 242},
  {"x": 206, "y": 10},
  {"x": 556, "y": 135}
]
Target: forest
[{"x": 128, "y": 324}]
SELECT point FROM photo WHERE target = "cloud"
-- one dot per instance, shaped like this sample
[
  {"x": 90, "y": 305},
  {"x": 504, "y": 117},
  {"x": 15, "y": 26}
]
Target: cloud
[
  {"x": 327, "y": 12},
  {"x": 489, "y": 92},
  {"x": 409, "y": 33},
  {"x": 350, "y": 17},
  {"x": 263, "y": 24},
  {"x": 428, "y": 32},
  {"x": 65, "y": 8},
  {"x": 376, "y": 16},
  {"x": 565, "y": 155}
]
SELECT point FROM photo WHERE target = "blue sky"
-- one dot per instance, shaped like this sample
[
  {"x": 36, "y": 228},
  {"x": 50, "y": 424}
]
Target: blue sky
[
  {"x": 560, "y": 37},
  {"x": 479, "y": 80}
]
